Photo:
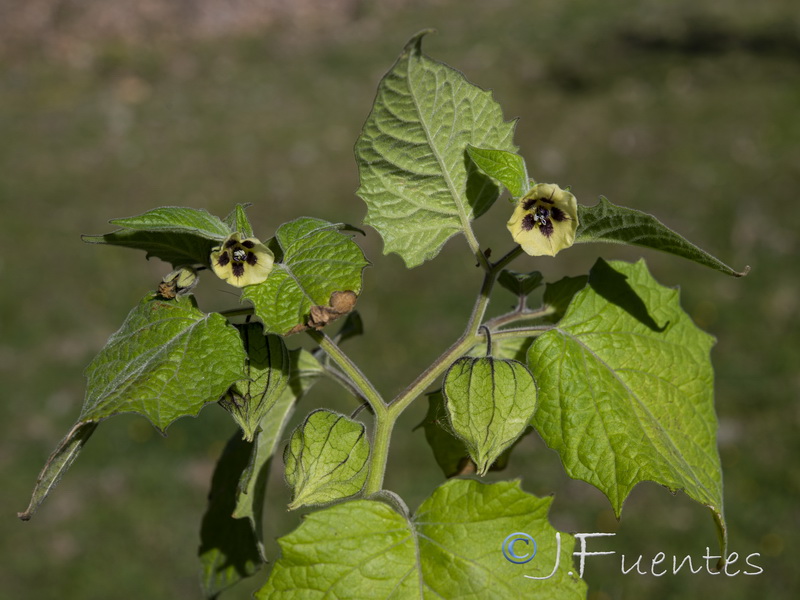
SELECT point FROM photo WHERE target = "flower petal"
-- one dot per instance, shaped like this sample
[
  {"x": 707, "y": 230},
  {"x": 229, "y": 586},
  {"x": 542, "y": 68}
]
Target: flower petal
[
  {"x": 545, "y": 220},
  {"x": 242, "y": 262}
]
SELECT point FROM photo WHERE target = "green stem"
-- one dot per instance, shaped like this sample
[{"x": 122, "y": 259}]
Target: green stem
[
  {"x": 379, "y": 454},
  {"x": 467, "y": 340},
  {"x": 387, "y": 415},
  {"x": 359, "y": 380},
  {"x": 518, "y": 315},
  {"x": 384, "y": 422},
  {"x": 505, "y": 334},
  {"x": 344, "y": 381}
]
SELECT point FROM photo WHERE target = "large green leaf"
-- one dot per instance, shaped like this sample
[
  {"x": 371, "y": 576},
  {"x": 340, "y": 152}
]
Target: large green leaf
[
  {"x": 316, "y": 260},
  {"x": 489, "y": 402},
  {"x": 451, "y": 548},
  {"x": 167, "y": 361},
  {"x": 266, "y": 369},
  {"x": 177, "y": 235},
  {"x": 326, "y": 459},
  {"x": 607, "y": 222},
  {"x": 626, "y": 389},
  {"x": 228, "y": 549},
  {"x": 417, "y": 180},
  {"x": 558, "y": 295}
]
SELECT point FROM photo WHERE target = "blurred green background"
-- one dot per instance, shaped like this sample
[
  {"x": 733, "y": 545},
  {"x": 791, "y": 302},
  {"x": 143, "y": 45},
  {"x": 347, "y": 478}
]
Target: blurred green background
[{"x": 688, "y": 110}]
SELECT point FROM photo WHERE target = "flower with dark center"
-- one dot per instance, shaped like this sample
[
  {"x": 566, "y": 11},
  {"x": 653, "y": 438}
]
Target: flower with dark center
[
  {"x": 242, "y": 262},
  {"x": 545, "y": 220}
]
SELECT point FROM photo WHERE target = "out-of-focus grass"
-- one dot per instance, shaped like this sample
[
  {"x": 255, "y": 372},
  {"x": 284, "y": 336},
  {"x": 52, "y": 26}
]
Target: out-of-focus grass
[{"x": 689, "y": 111}]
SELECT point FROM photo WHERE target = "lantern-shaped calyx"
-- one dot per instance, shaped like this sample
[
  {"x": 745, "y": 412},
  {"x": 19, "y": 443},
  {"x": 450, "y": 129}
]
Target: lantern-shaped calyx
[
  {"x": 545, "y": 220},
  {"x": 242, "y": 262},
  {"x": 490, "y": 402}
]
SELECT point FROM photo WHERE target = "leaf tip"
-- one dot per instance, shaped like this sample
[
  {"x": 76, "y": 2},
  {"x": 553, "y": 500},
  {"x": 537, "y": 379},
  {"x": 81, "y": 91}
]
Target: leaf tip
[
  {"x": 414, "y": 45},
  {"x": 742, "y": 273}
]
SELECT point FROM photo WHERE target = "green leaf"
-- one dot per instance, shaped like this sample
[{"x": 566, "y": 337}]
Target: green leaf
[
  {"x": 305, "y": 370},
  {"x": 236, "y": 503},
  {"x": 237, "y": 221},
  {"x": 451, "y": 548},
  {"x": 607, "y": 222},
  {"x": 266, "y": 368},
  {"x": 520, "y": 284},
  {"x": 177, "y": 235},
  {"x": 57, "y": 464},
  {"x": 489, "y": 401},
  {"x": 557, "y": 296},
  {"x": 316, "y": 261},
  {"x": 167, "y": 361},
  {"x": 228, "y": 549},
  {"x": 506, "y": 167},
  {"x": 626, "y": 389},
  {"x": 419, "y": 185},
  {"x": 326, "y": 459}
]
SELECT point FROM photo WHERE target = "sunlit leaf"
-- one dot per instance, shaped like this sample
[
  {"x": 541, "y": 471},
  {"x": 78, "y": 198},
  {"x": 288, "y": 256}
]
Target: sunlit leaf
[
  {"x": 607, "y": 222},
  {"x": 315, "y": 260},
  {"x": 451, "y": 548},
  {"x": 626, "y": 389},
  {"x": 326, "y": 459},
  {"x": 506, "y": 167},
  {"x": 167, "y": 361},
  {"x": 175, "y": 234},
  {"x": 418, "y": 182}
]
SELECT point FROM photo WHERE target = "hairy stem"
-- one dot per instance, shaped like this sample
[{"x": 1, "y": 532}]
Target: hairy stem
[
  {"x": 467, "y": 340},
  {"x": 364, "y": 386}
]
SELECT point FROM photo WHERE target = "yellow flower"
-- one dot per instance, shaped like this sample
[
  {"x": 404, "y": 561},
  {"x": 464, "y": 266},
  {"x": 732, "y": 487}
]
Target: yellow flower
[
  {"x": 545, "y": 220},
  {"x": 242, "y": 262}
]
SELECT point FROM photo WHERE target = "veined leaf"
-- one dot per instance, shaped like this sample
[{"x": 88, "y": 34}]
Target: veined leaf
[
  {"x": 266, "y": 369},
  {"x": 304, "y": 372},
  {"x": 626, "y": 389},
  {"x": 451, "y": 548},
  {"x": 237, "y": 221},
  {"x": 167, "y": 361},
  {"x": 607, "y": 222},
  {"x": 506, "y": 167},
  {"x": 316, "y": 260},
  {"x": 417, "y": 180},
  {"x": 558, "y": 295},
  {"x": 177, "y": 235},
  {"x": 326, "y": 459}
]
